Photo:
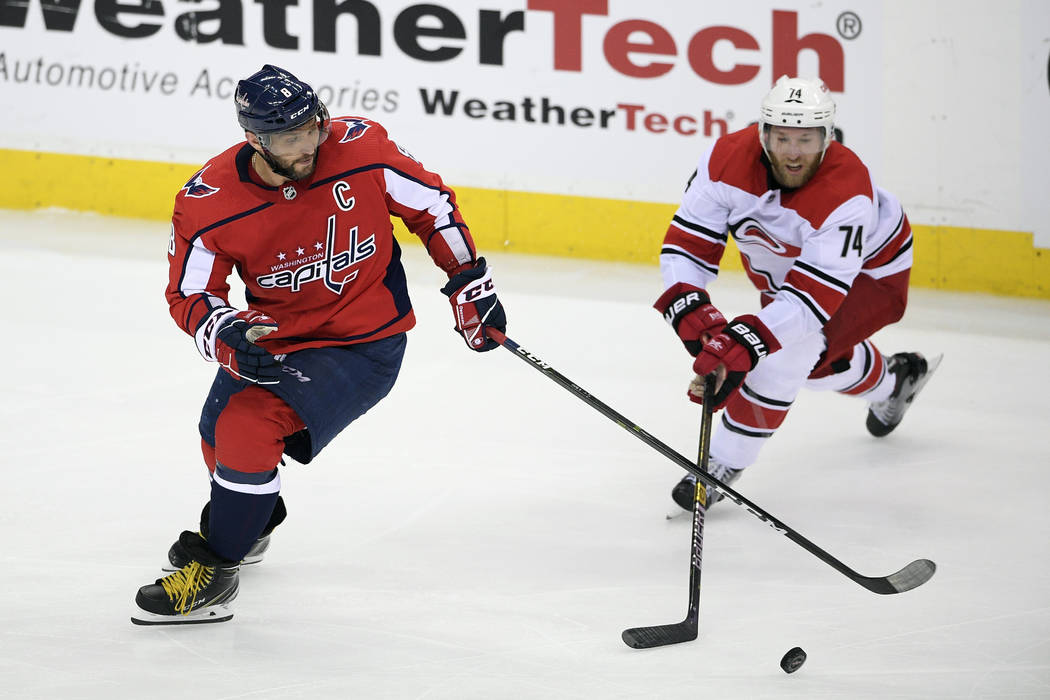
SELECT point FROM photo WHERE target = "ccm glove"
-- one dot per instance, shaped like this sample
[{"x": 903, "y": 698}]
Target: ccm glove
[
  {"x": 475, "y": 305},
  {"x": 236, "y": 351},
  {"x": 738, "y": 348},
  {"x": 692, "y": 316}
]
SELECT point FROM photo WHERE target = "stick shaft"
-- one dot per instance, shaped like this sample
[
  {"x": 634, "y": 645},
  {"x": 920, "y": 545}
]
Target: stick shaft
[
  {"x": 911, "y": 576},
  {"x": 700, "y": 504}
]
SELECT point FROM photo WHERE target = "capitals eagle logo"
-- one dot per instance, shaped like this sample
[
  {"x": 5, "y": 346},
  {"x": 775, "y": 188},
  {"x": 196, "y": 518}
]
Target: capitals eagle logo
[
  {"x": 355, "y": 128},
  {"x": 196, "y": 187}
]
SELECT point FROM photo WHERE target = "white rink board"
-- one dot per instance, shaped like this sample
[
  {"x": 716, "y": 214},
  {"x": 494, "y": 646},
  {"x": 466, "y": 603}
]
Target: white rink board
[{"x": 173, "y": 100}]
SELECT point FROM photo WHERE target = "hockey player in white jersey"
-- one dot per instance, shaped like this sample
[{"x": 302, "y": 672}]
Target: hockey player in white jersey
[{"x": 830, "y": 254}]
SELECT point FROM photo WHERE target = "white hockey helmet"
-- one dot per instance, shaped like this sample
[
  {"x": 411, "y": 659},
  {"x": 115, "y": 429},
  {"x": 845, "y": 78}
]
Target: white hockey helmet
[{"x": 801, "y": 103}]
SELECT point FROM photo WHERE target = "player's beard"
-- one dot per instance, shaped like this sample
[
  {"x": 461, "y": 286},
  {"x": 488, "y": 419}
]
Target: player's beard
[
  {"x": 797, "y": 178},
  {"x": 297, "y": 168}
]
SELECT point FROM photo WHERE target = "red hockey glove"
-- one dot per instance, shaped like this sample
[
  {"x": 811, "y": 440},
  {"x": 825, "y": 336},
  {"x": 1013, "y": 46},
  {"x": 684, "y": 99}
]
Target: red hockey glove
[
  {"x": 475, "y": 306},
  {"x": 236, "y": 351},
  {"x": 689, "y": 311},
  {"x": 735, "y": 351}
]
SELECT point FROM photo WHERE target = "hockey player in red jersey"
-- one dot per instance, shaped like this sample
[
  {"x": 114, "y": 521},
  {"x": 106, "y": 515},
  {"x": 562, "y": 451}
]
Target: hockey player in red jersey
[
  {"x": 830, "y": 254},
  {"x": 301, "y": 210}
]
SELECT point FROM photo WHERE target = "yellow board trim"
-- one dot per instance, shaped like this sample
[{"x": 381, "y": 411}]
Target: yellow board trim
[{"x": 946, "y": 257}]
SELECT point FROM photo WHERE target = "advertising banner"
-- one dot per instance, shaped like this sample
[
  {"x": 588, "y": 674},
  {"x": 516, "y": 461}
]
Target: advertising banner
[{"x": 600, "y": 98}]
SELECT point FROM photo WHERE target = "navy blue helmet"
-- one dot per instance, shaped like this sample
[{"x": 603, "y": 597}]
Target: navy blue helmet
[{"x": 273, "y": 100}]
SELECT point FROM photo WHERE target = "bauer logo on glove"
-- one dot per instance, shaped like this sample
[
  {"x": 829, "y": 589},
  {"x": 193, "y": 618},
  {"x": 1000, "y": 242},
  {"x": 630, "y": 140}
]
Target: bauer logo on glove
[
  {"x": 751, "y": 337},
  {"x": 689, "y": 311},
  {"x": 732, "y": 354}
]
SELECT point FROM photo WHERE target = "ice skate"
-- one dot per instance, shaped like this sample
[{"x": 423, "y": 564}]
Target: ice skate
[
  {"x": 178, "y": 558},
  {"x": 912, "y": 371},
  {"x": 199, "y": 592},
  {"x": 684, "y": 490}
]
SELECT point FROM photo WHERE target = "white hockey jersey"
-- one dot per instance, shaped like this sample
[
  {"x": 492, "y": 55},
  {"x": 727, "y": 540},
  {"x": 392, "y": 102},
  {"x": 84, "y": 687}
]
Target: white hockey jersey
[{"x": 802, "y": 248}]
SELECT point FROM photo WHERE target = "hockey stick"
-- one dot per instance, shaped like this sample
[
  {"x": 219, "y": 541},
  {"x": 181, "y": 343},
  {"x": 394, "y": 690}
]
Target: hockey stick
[
  {"x": 911, "y": 576},
  {"x": 687, "y": 629}
]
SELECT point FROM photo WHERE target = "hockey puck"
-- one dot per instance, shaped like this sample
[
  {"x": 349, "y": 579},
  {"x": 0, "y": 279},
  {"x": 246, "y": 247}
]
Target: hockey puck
[{"x": 793, "y": 660}]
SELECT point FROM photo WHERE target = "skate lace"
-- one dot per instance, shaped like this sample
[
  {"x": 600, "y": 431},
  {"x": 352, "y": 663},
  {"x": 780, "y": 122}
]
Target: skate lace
[{"x": 183, "y": 586}]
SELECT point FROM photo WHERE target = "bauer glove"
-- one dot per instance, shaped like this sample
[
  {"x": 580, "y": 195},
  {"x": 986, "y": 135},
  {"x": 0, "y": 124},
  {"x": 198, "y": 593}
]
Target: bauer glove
[
  {"x": 692, "y": 316},
  {"x": 736, "y": 350}
]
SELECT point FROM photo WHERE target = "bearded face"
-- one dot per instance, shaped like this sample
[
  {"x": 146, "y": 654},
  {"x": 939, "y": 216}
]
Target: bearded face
[
  {"x": 295, "y": 150},
  {"x": 794, "y": 153}
]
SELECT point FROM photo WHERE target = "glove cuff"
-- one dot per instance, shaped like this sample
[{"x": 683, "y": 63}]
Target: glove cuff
[
  {"x": 208, "y": 330},
  {"x": 749, "y": 332},
  {"x": 464, "y": 275},
  {"x": 679, "y": 300}
]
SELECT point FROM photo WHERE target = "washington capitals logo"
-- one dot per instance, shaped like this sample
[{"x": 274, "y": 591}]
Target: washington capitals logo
[
  {"x": 355, "y": 128},
  {"x": 333, "y": 267},
  {"x": 196, "y": 187}
]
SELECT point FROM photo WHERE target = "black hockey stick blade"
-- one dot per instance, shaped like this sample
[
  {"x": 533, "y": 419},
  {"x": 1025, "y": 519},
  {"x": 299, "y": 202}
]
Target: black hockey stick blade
[
  {"x": 688, "y": 629},
  {"x": 660, "y": 635},
  {"x": 911, "y": 576}
]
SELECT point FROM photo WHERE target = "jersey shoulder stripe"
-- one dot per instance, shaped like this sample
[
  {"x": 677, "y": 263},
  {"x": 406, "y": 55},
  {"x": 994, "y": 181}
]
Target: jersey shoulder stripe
[{"x": 734, "y": 159}]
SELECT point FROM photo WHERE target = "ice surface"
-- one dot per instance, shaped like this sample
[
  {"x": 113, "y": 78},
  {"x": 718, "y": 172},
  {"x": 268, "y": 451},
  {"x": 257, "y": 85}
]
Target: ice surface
[{"x": 484, "y": 534}]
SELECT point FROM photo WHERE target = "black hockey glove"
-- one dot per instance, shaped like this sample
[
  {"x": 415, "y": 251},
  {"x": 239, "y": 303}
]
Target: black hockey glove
[
  {"x": 475, "y": 306},
  {"x": 236, "y": 351}
]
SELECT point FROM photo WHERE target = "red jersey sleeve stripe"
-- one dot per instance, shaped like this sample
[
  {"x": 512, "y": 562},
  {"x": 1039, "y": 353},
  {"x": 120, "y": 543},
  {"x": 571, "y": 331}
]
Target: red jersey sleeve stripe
[
  {"x": 671, "y": 250},
  {"x": 894, "y": 248},
  {"x": 889, "y": 239},
  {"x": 702, "y": 251},
  {"x": 819, "y": 275},
  {"x": 821, "y": 299},
  {"x": 697, "y": 229}
]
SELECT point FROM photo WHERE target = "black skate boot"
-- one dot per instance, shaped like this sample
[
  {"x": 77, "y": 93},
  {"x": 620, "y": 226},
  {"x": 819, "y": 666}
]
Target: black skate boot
[
  {"x": 178, "y": 558},
  {"x": 685, "y": 490},
  {"x": 912, "y": 371},
  {"x": 197, "y": 593}
]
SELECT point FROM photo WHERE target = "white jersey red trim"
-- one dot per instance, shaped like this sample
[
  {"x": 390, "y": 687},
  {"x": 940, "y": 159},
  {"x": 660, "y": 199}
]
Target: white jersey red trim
[{"x": 802, "y": 248}]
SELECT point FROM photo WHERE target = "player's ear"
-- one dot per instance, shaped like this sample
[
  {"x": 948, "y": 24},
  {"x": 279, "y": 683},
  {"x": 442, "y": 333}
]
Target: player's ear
[{"x": 253, "y": 140}]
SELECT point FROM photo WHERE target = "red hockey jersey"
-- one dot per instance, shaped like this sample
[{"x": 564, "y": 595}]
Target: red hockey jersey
[
  {"x": 802, "y": 248},
  {"x": 318, "y": 255}
]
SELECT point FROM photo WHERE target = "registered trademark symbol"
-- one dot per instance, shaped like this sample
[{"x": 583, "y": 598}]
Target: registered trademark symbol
[{"x": 848, "y": 25}]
